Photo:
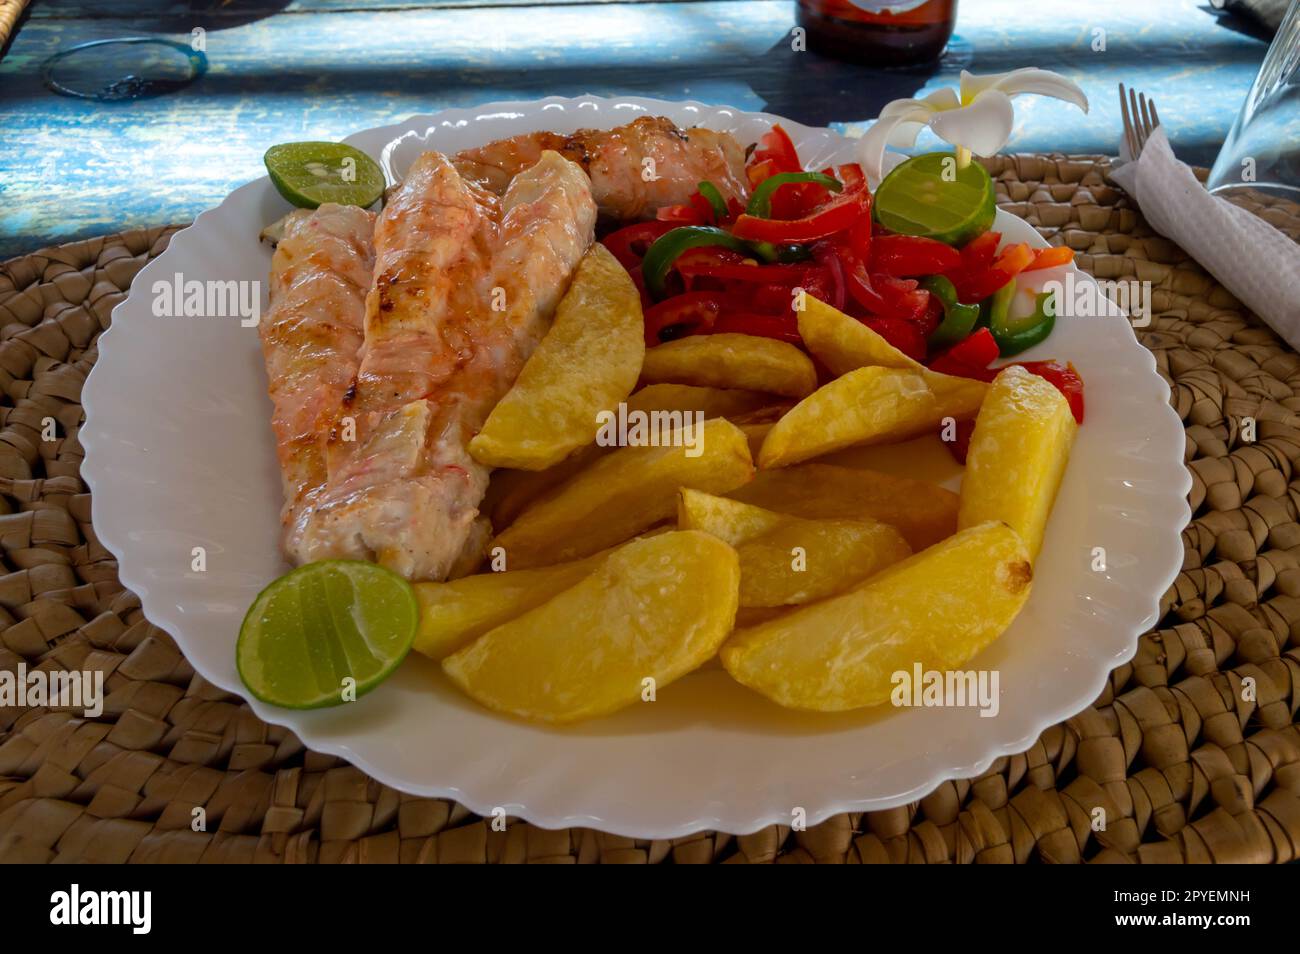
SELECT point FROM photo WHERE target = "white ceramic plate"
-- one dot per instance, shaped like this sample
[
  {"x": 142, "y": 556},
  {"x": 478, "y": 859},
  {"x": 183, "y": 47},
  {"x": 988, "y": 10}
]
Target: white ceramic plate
[{"x": 180, "y": 455}]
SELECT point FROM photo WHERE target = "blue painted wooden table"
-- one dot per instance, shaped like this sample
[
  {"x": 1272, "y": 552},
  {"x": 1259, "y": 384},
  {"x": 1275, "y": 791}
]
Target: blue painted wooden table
[{"x": 319, "y": 69}]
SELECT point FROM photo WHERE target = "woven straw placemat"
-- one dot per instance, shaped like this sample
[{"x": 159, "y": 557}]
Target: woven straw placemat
[{"x": 1184, "y": 766}]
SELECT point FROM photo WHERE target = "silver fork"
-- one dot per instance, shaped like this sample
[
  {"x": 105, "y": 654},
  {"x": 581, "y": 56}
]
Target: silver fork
[{"x": 1143, "y": 122}]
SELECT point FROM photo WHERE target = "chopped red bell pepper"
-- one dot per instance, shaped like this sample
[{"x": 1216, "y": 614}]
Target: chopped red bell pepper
[
  {"x": 903, "y": 296},
  {"x": 771, "y": 299},
  {"x": 932, "y": 317},
  {"x": 726, "y": 265},
  {"x": 912, "y": 256},
  {"x": 1014, "y": 259},
  {"x": 810, "y": 196},
  {"x": 701, "y": 257},
  {"x": 1050, "y": 258},
  {"x": 970, "y": 357},
  {"x": 883, "y": 296},
  {"x": 799, "y": 200},
  {"x": 698, "y": 211},
  {"x": 906, "y": 336},
  {"x": 686, "y": 314},
  {"x": 629, "y": 244},
  {"x": 980, "y": 251},
  {"x": 975, "y": 284},
  {"x": 833, "y": 216},
  {"x": 683, "y": 215},
  {"x": 1066, "y": 379},
  {"x": 783, "y": 327},
  {"x": 793, "y": 200},
  {"x": 860, "y": 234},
  {"x": 774, "y": 153},
  {"x": 759, "y": 172},
  {"x": 851, "y": 175},
  {"x": 776, "y": 147},
  {"x": 978, "y": 349}
]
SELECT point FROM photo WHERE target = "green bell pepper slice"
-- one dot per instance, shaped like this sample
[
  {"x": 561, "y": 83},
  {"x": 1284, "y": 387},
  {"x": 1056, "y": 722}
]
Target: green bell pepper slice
[
  {"x": 958, "y": 320},
  {"x": 760, "y": 203},
  {"x": 997, "y": 304},
  {"x": 1015, "y": 335},
  {"x": 714, "y": 198},
  {"x": 668, "y": 248}
]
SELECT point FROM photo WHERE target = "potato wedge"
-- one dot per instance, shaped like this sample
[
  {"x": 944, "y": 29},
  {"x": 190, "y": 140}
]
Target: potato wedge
[
  {"x": 511, "y": 491},
  {"x": 938, "y": 608},
  {"x": 588, "y": 362},
  {"x": 844, "y": 344},
  {"x": 871, "y": 405},
  {"x": 922, "y": 458},
  {"x": 732, "y": 361},
  {"x": 768, "y": 414},
  {"x": 729, "y": 520},
  {"x": 454, "y": 614},
  {"x": 805, "y": 560},
  {"x": 654, "y": 610},
  {"x": 923, "y": 513},
  {"x": 1017, "y": 455},
  {"x": 787, "y": 560},
  {"x": 623, "y": 493},
  {"x": 713, "y": 402}
]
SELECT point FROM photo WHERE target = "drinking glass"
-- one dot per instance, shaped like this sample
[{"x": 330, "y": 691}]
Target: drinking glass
[{"x": 1261, "y": 156}]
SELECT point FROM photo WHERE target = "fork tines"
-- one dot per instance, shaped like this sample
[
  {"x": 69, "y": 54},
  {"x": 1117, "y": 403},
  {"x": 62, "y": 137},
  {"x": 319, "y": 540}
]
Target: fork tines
[{"x": 1140, "y": 119}]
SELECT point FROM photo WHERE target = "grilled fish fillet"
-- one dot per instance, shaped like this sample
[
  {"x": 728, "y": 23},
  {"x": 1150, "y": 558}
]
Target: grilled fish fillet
[
  {"x": 465, "y": 285},
  {"x": 624, "y": 184},
  {"x": 311, "y": 339}
]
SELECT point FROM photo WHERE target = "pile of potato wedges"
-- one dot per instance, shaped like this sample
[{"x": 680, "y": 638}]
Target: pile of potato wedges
[{"x": 614, "y": 570}]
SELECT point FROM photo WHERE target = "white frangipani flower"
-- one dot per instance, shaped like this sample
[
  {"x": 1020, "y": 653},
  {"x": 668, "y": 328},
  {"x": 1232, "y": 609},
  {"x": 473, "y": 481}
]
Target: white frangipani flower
[{"x": 978, "y": 119}]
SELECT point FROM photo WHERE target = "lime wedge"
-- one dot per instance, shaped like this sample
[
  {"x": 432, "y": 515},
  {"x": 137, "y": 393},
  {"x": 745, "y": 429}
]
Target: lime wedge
[
  {"x": 322, "y": 624},
  {"x": 309, "y": 174},
  {"x": 930, "y": 196}
]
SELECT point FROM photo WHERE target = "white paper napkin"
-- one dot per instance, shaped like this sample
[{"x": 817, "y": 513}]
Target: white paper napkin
[{"x": 1249, "y": 257}]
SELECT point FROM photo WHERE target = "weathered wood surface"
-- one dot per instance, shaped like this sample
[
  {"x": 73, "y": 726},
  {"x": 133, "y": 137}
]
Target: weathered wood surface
[{"x": 322, "y": 69}]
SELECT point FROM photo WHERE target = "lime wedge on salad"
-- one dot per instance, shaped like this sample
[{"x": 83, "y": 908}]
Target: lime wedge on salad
[
  {"x": 930, "y": 196},
  {"x": 321, "y": 624},
  {"x": 309, "y": 174}
]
